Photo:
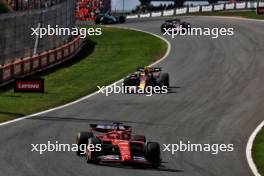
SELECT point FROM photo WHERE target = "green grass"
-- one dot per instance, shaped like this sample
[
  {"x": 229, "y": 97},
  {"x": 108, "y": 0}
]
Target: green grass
[
  {"x": 103, "y": 60},
  {"x": 258, "y": 151},
  {"x": 243, "y": 14}
]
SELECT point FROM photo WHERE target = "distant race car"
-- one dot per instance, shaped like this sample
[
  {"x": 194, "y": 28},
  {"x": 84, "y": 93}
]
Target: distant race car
[
  {"x": 147, "y": 76},
  {"x": 118, "y": 145},
  {"x": 174, "y": 24},
  {"x": 107, "y": 18}
]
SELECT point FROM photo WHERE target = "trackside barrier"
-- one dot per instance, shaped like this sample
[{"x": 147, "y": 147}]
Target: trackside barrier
[
  {"x": 156, "y": 14},
  {"x": 43, "y": 57},
  {"x": 168, "y": 12},
  {"x": 52, "y": 56},
  {"x": 26, "y": 65},
  {"x": 230, "y": 6},
  {"x": 132, "y": 16},
  {"x": 6, "y": 72},
  {"x": 240, "y": 5},
  {"x": 208, "y": 8},
  {"x": 35, "y": 62},
  {"x": 39, "y": 62},
  {"x": 202, "y": 8},
  {"x": 66, "y": 50},
  {"x": 145, "y": 15},
  {"x": 72, "y": 47},
  {"x": 59, "y": 53},
  {"x": 194, "y": 9},
  {"x": 76, "y": 43},
  {"x": 252, "y": 5},
  {"x": 181, "y": 11},
  {"x": 219, "y": 7},
  {"x": 17, "y": 67}
]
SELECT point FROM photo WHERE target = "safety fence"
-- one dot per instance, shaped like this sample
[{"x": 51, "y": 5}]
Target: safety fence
[
  {"x": 38, "y": 62},
  {"x": 200, "y": 8},
  {"x": 16, "y": 39}
]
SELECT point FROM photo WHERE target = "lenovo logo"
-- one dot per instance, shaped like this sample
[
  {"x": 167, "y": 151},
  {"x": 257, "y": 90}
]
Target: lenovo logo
[{"x": 29, "y": 85}]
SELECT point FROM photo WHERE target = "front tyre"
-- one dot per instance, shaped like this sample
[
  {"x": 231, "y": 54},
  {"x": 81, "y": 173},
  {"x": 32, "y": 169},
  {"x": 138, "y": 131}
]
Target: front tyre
[
  {"x": 81, "y": 141},
  {"x": 92, "y": 155},
  {"x": 153, "y": 153}
]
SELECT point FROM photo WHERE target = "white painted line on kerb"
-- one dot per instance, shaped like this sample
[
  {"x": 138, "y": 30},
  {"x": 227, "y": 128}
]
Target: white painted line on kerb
[
  {"x": 250, "y": 143},
  {"x": 94, "y": 93}
]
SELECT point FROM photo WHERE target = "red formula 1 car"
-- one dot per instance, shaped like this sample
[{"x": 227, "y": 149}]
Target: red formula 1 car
[{"x": 117, "y": 145}]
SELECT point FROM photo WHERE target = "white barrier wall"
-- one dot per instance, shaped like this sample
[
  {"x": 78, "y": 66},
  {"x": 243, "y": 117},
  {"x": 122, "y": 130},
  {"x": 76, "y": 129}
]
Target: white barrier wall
[
  {"x": 252, "y": 5},
  {"x": 218, "y": 7},
  {"x": 146, "y": 15},
  {"x": 208, "y": 8},
  {"x": 194, "y": 9},
  {"x": 131, "y": 16},
  {"x": 168, "y": 12},
  {"x": 240, "y": 5},
  {"x": 181, "y": 11},
  {"x": 261, "y": 4},
  {"x": 156, "y": 14},
  {"x": 230, "y": 6}
]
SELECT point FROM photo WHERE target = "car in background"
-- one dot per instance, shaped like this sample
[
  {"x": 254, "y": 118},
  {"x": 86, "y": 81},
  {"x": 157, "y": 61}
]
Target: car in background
[
  {"x": 107, "y": 18},
  {"x": 147, "y": 76},
  {"x": 174, "y": 24},
  {"x": 118, "y": 145}
]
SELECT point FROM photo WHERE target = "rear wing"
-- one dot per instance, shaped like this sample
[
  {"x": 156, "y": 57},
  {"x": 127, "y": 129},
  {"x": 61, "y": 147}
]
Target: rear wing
[
  {"x": 110, "y": 127},
  {"x": 151, "y": 69}
]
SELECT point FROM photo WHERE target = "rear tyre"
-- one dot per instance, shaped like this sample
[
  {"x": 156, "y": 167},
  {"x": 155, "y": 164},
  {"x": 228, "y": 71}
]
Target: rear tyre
[
  {"x": 153, "y": 153},
  {"x": 81, "y": 141},
  {"x": 122, "y": 19},
  {"x": 92, "y": 156},
  {"x": 164, "y": 80}
]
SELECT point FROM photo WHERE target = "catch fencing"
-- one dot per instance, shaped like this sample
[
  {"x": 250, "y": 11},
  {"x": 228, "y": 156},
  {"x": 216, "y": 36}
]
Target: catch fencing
[{"x": 16, "y": 40}]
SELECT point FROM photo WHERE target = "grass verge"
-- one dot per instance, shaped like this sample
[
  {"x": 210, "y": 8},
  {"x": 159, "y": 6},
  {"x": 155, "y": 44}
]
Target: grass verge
[
  {"x": 244, "y": 14},
  {"x": 257, "y": 151},
  {"x": 103, "y": 60}
]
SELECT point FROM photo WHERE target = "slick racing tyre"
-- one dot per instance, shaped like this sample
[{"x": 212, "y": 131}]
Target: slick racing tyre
[
  {"x": 122, "y": 19},
  {"x": 163, "y": 80},
  {"x": 153, "y": 153},
  {"x": 81, "y": 141},
  {"x": 139, "y": 138},
  {"x": 92, "y": 155}
]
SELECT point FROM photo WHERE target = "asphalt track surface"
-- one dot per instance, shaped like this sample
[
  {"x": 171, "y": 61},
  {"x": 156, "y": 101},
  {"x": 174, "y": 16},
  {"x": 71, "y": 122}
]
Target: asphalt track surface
[{"x": 216, "y": 97}]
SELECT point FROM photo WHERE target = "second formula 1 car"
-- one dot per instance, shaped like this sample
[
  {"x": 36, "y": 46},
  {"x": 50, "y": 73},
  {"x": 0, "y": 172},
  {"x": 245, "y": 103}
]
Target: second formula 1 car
[
  {"x": 107, "y": 18},
  {"x": 147, "y": 76},
  {"x": 174, "y": 24},
  {"x": 118, "y": 145}
]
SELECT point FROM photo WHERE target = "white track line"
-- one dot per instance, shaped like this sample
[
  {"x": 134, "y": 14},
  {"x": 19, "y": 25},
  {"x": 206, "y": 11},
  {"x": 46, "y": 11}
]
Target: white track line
[
  {"x": 94, "y": 93},
  {"x": 250, "y": 143}
]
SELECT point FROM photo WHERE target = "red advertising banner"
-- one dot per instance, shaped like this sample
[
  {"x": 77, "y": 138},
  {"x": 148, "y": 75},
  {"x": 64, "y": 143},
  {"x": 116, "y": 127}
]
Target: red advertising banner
[
  {"x": 260, "y": 11},
  {"x": 29, "y": 85}
]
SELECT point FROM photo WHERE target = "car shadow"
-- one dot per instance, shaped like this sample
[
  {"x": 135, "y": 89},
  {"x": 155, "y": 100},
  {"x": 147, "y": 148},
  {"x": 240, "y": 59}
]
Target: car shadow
[
  {"x": 173, "y": 89},
  {"x": 137, "y": 167}
]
